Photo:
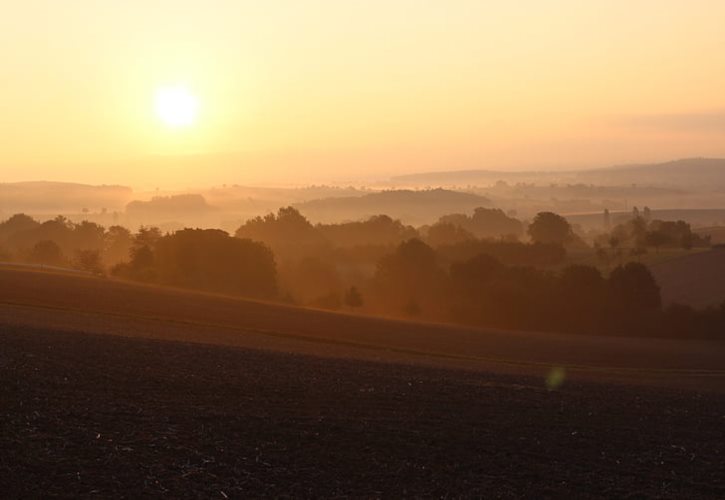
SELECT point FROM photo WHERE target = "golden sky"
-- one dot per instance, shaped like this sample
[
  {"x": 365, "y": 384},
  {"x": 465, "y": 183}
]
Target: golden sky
[{"x": 304, "y": 90}]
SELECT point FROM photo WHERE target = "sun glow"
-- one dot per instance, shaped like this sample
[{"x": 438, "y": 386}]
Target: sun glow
[{"x": 176, "y": 106}]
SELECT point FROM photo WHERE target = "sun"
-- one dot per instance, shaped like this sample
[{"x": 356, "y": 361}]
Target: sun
[{"x": 176, "y": 106}]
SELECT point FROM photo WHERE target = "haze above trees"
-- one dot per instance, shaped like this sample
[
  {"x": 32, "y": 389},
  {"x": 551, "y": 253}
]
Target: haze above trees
[{"x": 676, "y": 190}]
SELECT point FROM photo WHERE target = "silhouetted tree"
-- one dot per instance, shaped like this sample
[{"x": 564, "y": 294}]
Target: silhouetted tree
[
  {"x": 310, "y": 279},
  {"x": 289, "y": 234},
  {"x": 142, "y": 257},
  {"x": 472, "y": 276},
  {"x": 582, "y": 295},
  {"x": 88, "y": 236},
  {"x": 603, "y": 255},
  {"x": 510, "y": 253},
  {"x": 147, "y": 236},
  {"x": 118, "y": 242},
  {"x": 377, "y": 230},
  {"x": 410, "y": 275},
  {"x": 142, "y": 264},
  {"x": 46, "y": 252},
  {"x": 633, "y": 289},
  {"x": 492, "y": 222},
  {"x": 548, "y": 227},
  {"x": 444, "y": 233},
  {"x": 656, "y": 239},
  {"x": 58, "y": 230},
  {"x": 18, "y": 223},
  {"x": 209, "y": 259},
  {"x": 647, "y": 214},
  {"x": 89, "y": 260},
  {"x": 641, "y": 233},
  {"x": 353, "y": 298},
  {"x": 486, "y": 223}
]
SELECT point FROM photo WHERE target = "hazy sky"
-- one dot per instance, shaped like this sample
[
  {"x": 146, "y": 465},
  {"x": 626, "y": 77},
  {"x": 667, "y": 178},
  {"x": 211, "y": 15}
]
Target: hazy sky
[{"x": 311, "y": 89}]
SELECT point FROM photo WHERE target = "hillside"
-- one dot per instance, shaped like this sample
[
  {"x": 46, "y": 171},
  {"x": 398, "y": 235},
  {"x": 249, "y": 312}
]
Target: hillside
[
  {"x": 192, "y": 209},
  {"x": 696, "y": 279},
  {"x": 411, "y": 207},
  {"x": 67, "y": 302},
  {"x": 60, "y": 197},
  {"x": 697, "y": 217},
  {"x": 694, "y": 173}
]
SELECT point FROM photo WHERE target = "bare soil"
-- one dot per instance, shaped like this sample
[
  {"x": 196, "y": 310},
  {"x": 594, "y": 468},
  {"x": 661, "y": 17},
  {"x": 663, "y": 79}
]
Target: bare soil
[
  {"x": 135, "y": 403},
  {"x": 89, "y": 415}
]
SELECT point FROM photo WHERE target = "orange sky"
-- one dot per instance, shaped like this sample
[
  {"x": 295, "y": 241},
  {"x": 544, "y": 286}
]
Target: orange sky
[{"x": 306, "y": 90}]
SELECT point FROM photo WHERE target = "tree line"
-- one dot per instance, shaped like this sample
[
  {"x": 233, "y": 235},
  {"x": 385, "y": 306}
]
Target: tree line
[{"x": 443, "y": 272}]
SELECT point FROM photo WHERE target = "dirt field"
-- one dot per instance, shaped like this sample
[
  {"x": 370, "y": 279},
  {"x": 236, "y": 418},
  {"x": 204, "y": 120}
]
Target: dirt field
[{"x": 303, "y": 403}]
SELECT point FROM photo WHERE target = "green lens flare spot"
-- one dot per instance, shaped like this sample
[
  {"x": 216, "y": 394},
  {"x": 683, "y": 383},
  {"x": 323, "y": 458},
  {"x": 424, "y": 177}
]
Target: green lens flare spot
[{"x": 555, "y": 378}]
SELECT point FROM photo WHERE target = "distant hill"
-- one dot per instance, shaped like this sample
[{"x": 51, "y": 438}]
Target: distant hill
[
  {"x": 60, "y": 197},
  {"x": 183, "y": 209},
  {"x": 250, "y": 200},
  {"x": 697, "y": 217},
  {"x": 697, "y": 279},
  {"x": 708, "y": 173},
  {"x": 705, "y": 173},
  {"x": 412, "y": 207},
  {"x": 177, "y": 204}
]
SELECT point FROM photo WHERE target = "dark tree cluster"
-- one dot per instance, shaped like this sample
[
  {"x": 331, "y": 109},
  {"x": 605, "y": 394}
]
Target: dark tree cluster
[
  {"x": 288, "y": 233},
  {"x": 318, "y": 263},
  {"x": 483, "y": 291},
  {"x": 486, "y": 223},
  {"x": 202, "y": 259},
  {"x": 381, "y": 266},
  {"x": 511, "y": 253},
  {"x": 60, "y": 242},
  {"x": 209, "y": 259},
  {"x": 379, "y": 230},
  {"x": 640, "y": 234}
]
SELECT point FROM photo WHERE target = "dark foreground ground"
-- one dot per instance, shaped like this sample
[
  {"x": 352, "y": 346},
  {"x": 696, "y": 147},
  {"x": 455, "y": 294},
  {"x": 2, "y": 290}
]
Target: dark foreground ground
[{"x": 87, "y": 415}]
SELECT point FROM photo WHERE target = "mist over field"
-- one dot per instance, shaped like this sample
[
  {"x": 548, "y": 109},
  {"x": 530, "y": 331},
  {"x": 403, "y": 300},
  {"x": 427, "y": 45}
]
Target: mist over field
[
  {"x": 623, "y": 251},
  {"x": 695, "y": 187},
  {"x": 379, "y": 249}
]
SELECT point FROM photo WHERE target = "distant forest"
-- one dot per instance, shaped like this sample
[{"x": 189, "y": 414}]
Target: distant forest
[{"x": 486, "y": 268}]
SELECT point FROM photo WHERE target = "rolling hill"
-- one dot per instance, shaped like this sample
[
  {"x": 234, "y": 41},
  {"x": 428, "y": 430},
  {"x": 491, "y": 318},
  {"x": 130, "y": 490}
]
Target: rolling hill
[
  {"x": 60, "y": 197},
  {"x": 696, "y": 279},
  {"x": 697, "y": 217},
  {"x": 82, "y": 303},
  {"x": 411, "y": 207},
  {"x": 693, "y": 173}
]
